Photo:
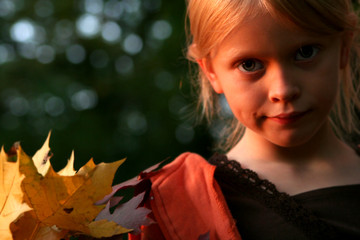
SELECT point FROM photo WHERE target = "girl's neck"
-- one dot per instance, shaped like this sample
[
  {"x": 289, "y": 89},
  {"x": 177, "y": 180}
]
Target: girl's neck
[
  {"x": 321, "y": 162},
  {"x": 323, "y": 146}
]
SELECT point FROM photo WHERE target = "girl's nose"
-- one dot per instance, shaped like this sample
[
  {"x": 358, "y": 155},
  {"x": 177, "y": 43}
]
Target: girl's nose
[{"x": 283, "y": 86}]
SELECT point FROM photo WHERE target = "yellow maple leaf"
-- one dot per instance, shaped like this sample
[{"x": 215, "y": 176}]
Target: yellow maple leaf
[
  {"x": 66, "y": 202},
  {"x": 11, "y": 195},
  {"x": 42, "y": 163},
  {"x": 68, "y": 170},
  {"x": 105, "y": 228},
  {"x": 42, "y": 157}
]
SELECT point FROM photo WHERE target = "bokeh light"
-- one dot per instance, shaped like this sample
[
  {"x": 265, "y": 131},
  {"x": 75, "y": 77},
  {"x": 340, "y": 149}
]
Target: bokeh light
[
  {"x": 45, "y": 54},
  {"x": 76, "y": 53},
  {"x": 7, "y": 8},
  {"x": 114, "y": 9},
  {"x": 84, "y": 99},
  {"x": 23, "y": 31},
  {"x": 88, "y": 25},
  {"x": 111, "y": 32},
  {"x": 7, "y": 53},
  {"x": 93, "y": 6},
  {"x": 161, "y": 30},
  {"x": 54, "y": 106},
  {"x": 44, "y": 8},
  {"x": 133, "y": 44}
]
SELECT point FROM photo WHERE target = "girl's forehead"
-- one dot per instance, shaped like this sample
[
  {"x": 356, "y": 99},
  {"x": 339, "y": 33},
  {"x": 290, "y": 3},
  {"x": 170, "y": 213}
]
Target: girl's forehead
[
  {"x": 288, "y": 21},
  {"x": 262, "y": 35},
  {"x": 266, "y": 24}
]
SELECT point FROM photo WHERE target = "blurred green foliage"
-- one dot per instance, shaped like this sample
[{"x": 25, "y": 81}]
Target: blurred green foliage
[{"x": 108, "y": 77}]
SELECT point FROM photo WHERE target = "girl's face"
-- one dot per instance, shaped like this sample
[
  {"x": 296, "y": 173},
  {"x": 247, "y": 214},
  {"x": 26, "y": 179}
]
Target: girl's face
[{"x": 279, "y": 82}]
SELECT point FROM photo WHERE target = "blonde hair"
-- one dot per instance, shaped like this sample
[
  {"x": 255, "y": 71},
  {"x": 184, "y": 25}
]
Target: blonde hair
[{"x": 211, "y": 21}]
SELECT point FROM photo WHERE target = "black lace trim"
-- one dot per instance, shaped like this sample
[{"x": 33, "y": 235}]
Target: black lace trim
[{"x": 266, "y": 193}]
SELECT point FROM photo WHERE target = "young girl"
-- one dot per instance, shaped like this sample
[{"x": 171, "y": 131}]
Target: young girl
[{"x": 288, "y": 70}]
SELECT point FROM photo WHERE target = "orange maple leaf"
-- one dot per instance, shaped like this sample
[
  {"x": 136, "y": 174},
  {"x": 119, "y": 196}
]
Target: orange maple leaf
[
  {"x": 62, "y": 203},
  {"x": 11, "y": 196}
]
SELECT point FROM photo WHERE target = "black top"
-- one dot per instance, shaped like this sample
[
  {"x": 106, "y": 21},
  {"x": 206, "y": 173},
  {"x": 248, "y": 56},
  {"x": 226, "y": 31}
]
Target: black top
[{"x": 261, "y": 212}]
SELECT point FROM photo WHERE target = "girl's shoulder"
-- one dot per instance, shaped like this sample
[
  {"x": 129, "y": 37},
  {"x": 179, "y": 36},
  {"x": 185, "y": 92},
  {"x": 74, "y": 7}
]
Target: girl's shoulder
[
  {"x": 186, "y": 187},
  {"x": 183, "y": 171},
  {"x": 187, "y": 163}
]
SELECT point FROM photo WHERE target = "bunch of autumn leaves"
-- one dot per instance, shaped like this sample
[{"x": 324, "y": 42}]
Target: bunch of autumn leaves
[{"x": 38, "y": 203}]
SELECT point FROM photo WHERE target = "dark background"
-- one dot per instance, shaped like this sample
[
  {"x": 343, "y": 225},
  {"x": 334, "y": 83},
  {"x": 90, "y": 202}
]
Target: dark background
[{"x": 108, "y": 77}]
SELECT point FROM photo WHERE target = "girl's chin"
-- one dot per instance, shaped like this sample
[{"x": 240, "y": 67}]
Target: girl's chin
[{"x": 290, "y": 141}]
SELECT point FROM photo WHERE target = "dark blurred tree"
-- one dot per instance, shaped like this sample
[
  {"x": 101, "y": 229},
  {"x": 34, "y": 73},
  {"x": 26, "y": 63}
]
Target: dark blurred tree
[{"x": 108, "y": 77}]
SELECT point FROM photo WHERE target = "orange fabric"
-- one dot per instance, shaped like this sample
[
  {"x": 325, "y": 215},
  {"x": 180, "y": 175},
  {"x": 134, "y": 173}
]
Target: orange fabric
[
  {"x": 151, "y": 232},
  {"x": 187, "y": 202}
]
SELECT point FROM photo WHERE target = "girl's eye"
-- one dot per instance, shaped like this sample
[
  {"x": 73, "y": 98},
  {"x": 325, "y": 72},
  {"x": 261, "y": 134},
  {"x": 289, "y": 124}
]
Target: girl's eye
[
  {"x": 306, "y": 53},
  {"x": 250, "y": 65}
]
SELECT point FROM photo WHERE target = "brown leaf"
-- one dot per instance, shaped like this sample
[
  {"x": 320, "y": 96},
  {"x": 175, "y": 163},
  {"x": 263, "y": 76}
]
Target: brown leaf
[
  {"x": 131, "y": 214},
  {"x": 27, "y": 227},
  {"x": 128, "y": 215}
]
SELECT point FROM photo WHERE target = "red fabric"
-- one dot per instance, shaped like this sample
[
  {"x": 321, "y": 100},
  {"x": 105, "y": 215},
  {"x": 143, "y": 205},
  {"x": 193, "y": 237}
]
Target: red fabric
[{"x": 187, "y": 202}]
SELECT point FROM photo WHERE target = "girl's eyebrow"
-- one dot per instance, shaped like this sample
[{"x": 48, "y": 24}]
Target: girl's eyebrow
[
  {"x": 246, "y": 53},
  {"x": 264, "y": 52}
]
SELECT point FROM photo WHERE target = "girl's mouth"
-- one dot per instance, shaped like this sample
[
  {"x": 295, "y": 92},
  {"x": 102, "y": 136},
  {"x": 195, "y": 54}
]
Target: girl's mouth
[{"x": 288, "y": 118}]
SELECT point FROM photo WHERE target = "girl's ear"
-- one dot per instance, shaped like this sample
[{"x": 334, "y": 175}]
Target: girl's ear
[{"x": 207, "y": 68}]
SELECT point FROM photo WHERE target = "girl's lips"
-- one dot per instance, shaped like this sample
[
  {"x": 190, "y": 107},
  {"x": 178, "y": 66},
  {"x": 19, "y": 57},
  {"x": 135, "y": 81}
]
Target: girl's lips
[{"x": 288, "y": 118}]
